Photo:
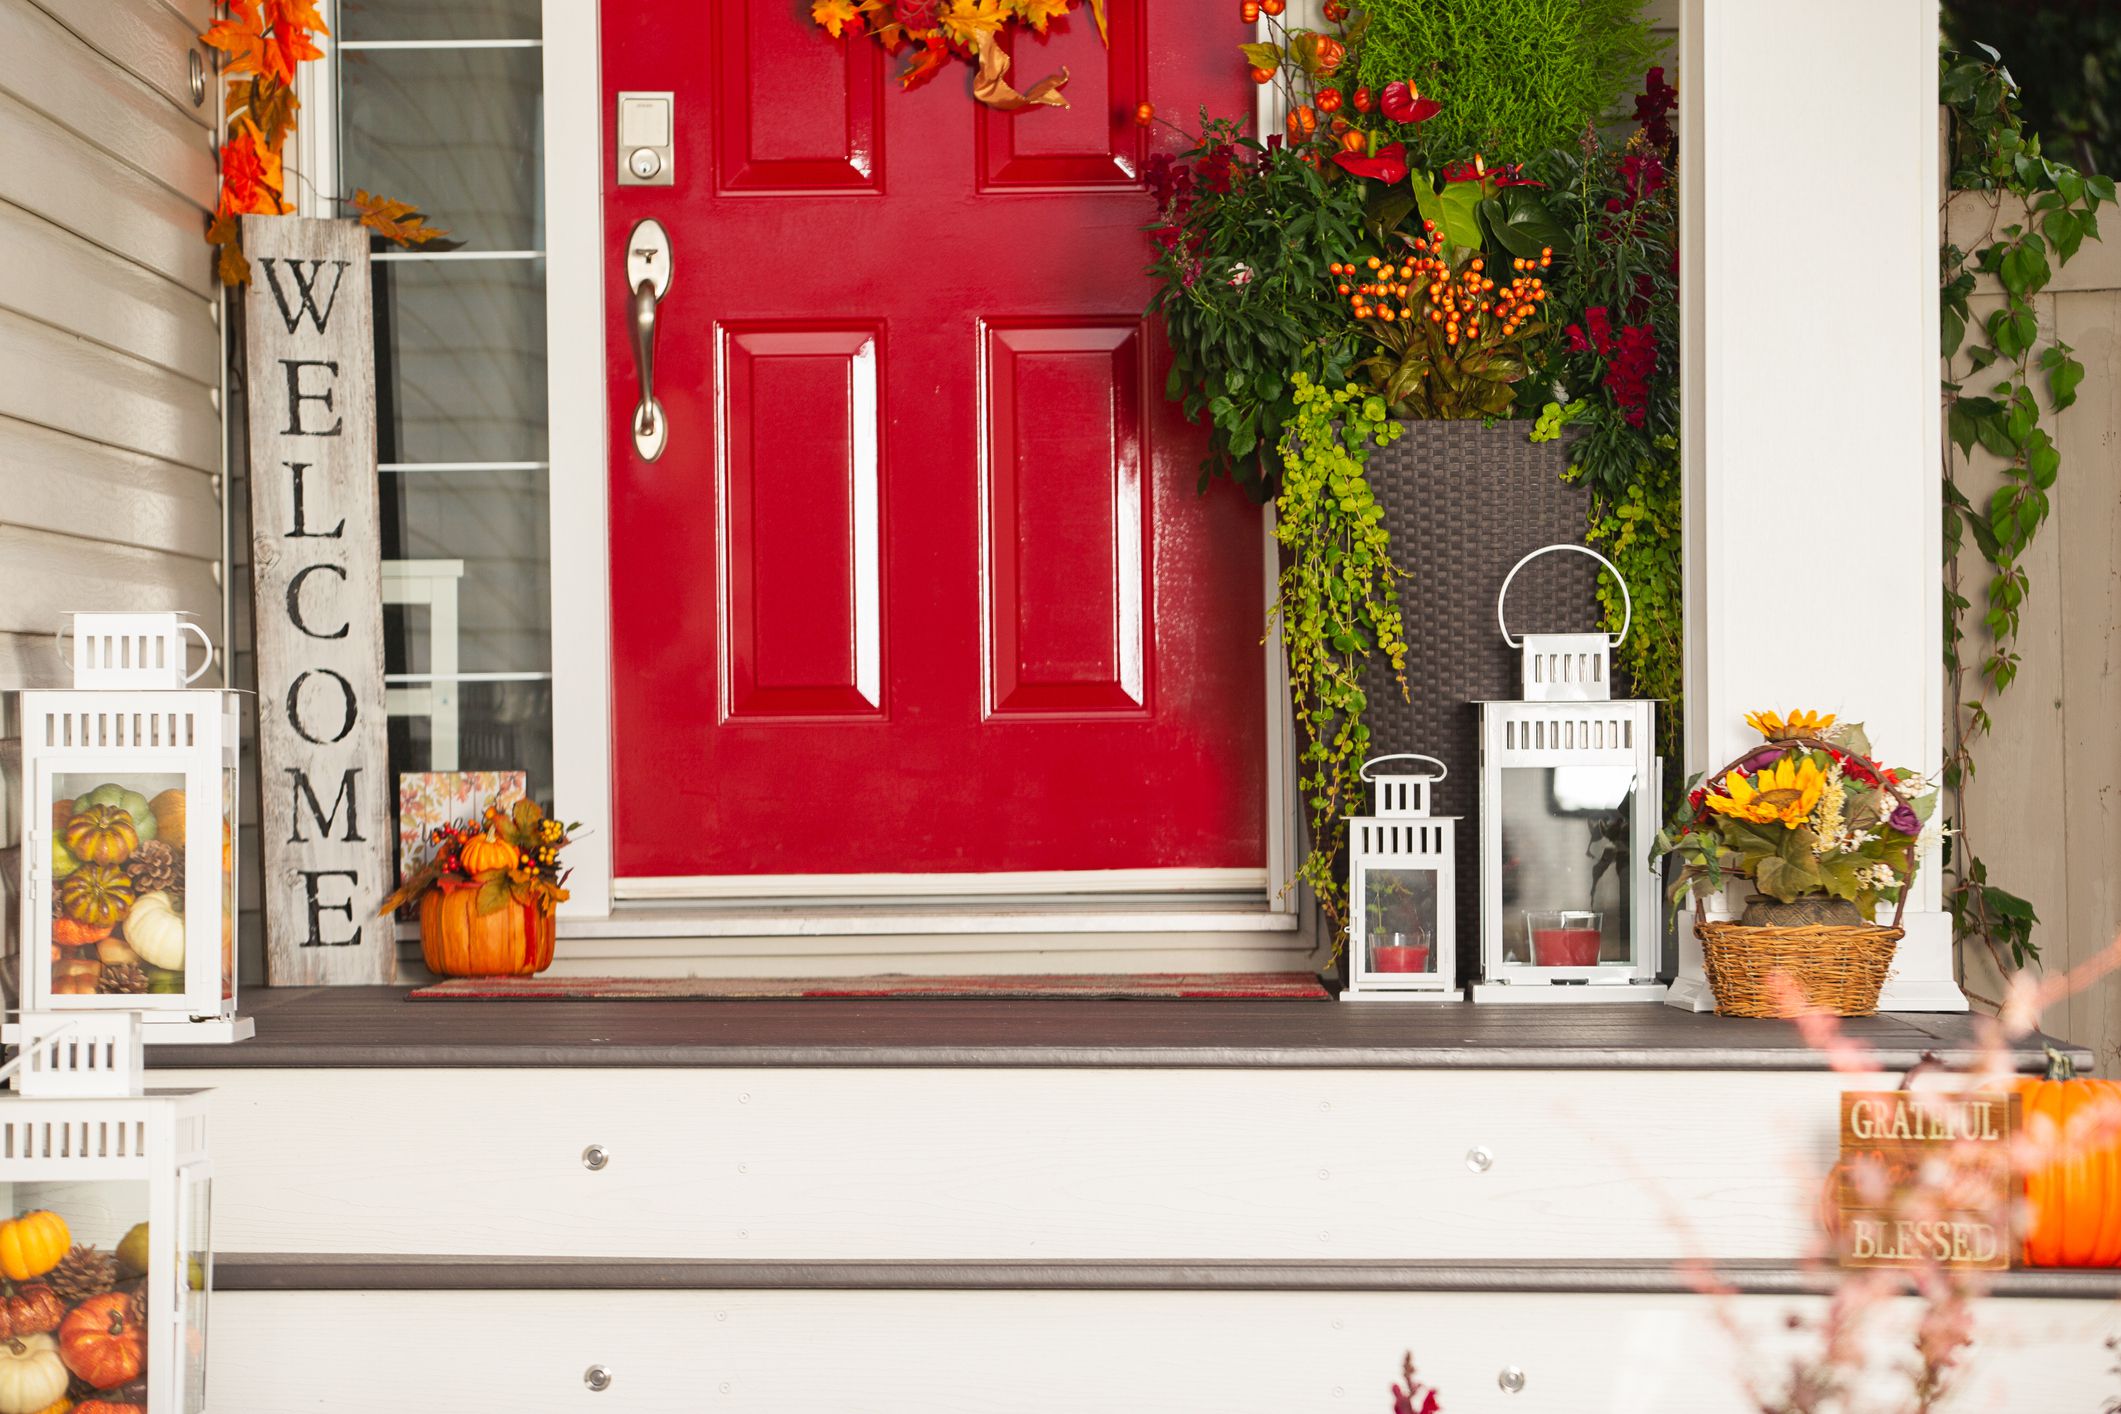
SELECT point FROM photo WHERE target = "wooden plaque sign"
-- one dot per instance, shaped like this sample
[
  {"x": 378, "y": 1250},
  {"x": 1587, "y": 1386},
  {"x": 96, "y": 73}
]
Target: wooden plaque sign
[
  {"x": 316, "y": 574},
  {"x": 1953, "y": 1150}
]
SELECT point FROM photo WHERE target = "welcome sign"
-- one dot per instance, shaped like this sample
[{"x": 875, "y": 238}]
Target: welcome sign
[
  {"x": 1925, "y": 1179},
  {"x": 316, "y": 577}
]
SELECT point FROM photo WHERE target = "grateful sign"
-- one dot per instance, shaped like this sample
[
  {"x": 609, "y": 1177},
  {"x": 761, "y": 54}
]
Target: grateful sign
[
  {"x": 1925, "y": 1179},
  {"x": 316, "y": 575}
]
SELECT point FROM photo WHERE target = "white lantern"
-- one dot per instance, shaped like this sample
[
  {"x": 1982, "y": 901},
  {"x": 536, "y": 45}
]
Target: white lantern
[
  {"x": 90, "y": 1160},
  {"x": 1402, "y": 898},
  {"x": 129, "y": 801},
  {"x": 1570, "y": 788}
]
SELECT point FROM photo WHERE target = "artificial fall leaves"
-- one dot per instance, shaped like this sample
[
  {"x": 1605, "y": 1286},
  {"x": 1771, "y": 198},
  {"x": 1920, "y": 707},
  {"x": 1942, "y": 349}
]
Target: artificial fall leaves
[
  {"x": 263, "y": 41},
  {"x": 937, "y": 30}
]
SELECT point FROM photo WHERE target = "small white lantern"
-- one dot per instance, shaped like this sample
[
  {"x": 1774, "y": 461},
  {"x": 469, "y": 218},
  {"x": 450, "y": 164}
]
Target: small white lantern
[
  {"x": 89, "y": 1159},
  {"x": 129, "y": 802},
  {"x": 1402, "y": 898},
  {"x": 1570, "y": 789}
]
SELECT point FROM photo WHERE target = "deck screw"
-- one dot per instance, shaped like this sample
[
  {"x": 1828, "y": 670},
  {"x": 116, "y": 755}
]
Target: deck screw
[
  {"x": 1479, "y": 1159},
  {"x": 1511, "y": 1380},
  {"x": 595, "y": 1157},
  {"x": 597, "y": 1377}
]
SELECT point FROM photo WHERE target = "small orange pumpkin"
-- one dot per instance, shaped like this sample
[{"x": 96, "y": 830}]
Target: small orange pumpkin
[
  {"x": 168, "y": 810},
  {"x": 34, "y": 1310},
  {"x": 456, "y": 940},
  {"x": 102, "y": 834},
  {"x": 33, "y": 1244},
  {"x": 105, "y": 1406},
  {"x": 96, "y": 894},
  {"x": 73, "y": 933},
  {"x": 100, "y": 1342},
  {"x": 2076, "y": 1199},
  {"x": 484, "y": 853}
]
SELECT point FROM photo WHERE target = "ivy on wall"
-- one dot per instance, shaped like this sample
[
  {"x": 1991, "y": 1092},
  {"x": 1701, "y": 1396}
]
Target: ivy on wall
[{"x": 1994, "y": 403}]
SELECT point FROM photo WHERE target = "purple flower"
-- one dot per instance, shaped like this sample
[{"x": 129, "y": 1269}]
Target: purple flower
[{"x": 1904, "y": 820}]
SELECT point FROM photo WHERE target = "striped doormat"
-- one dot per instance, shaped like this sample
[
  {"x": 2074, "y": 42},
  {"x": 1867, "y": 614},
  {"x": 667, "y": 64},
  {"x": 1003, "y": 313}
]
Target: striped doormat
[{"x": 1153, "y": 986}]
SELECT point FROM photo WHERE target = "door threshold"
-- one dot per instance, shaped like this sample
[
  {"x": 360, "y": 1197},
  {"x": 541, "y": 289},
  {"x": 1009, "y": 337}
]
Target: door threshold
[{"x": 914, "y": 917}]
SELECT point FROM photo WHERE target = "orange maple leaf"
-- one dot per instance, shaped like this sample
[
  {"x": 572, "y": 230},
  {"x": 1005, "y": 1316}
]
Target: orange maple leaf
[
  {"x": 251, "y": 176},
  {"x": 927, "y": 61},
  {"x": 286, "y": 46},
  {"x": 837, "y": 16},
  {"x": 242, "y": 41},
  {"x": 1040, "y": 13},
  {"x": 299, "y": 14},
  {"x": 397, "y": 221},
  {"x": 967, "y": 20}
]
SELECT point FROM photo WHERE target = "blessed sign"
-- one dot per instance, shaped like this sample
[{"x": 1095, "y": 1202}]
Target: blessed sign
[
  {"x": 316, "y": 573},
  {"x": 1925, "y": 1179}
]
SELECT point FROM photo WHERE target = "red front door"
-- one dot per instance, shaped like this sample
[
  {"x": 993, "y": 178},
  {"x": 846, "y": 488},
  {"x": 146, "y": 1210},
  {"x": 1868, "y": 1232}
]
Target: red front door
[{"x": 921, "y": 582}]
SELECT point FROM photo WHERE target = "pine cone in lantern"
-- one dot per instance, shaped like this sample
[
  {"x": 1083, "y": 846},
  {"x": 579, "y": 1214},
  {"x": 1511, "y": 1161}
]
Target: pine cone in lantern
[
  {"x": 154, "y": 866},
  {"x": 83, "y": 1272},
  {"x": 122, "y": 979},
  {"x": 136, "y": 1310}
]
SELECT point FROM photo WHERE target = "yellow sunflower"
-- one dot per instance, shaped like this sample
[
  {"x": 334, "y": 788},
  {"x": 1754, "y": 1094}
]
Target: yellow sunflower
[
  {"x": 1775, "y": 727},
  {"x": 1784, "y": 793}
]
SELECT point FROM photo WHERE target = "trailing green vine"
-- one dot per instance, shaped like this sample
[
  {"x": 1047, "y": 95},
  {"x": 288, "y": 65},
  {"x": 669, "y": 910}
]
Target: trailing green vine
[
  {"x": 1991, "y": 153},
  {"x": 1339, "y": 604}
]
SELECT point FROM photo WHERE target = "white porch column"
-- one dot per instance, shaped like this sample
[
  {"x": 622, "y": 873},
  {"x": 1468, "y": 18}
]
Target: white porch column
[{"x": 1809, "y": 289}]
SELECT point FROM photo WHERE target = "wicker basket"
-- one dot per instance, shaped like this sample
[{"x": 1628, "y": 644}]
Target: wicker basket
[{"x": 1839, "y": 967}]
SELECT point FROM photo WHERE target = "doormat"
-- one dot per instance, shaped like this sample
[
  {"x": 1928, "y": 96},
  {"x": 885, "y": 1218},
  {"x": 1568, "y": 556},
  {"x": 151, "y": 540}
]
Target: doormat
[{"x": 1098, "y": 986}]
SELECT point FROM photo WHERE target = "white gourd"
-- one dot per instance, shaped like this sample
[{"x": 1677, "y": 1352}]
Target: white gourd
[
  {"x": 32, "y": 1376},
  {"x": 155, "y": 930}
]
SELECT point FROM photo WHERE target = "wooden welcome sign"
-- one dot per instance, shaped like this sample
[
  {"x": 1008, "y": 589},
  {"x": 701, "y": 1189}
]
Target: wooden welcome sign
[
  {"x": 316, "y": 576},
  {"x": 1953, "y": 1150}
]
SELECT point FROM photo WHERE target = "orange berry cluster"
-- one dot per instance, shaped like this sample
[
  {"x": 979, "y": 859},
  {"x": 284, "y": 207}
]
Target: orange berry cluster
[{"x": 1462, "y": 302}]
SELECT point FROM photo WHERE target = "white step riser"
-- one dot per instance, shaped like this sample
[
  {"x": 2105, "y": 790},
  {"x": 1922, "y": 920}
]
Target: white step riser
[
  {"x": 1046, "y": 1165},
  {"x": 823, "y": 1352}
]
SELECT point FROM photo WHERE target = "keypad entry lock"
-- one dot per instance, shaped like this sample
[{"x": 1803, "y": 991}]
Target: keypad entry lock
[{"x": 646, "y": 128}]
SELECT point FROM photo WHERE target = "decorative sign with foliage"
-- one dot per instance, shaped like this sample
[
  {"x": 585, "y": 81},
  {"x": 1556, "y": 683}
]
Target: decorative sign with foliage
[
  {"x": 935, "y": 31},
  {"x": 1925, "y": 1179},
  {"x": 316, "y": 572}
]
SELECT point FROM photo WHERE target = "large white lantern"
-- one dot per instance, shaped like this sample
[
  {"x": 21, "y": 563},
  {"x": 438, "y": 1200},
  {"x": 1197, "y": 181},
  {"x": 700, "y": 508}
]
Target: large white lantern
[
  {"x": 1402, "y": 898},
  {"x": 108, "y": 1194},
  {"x": 129, "y": 800},
  {"x": 1570, "y": 788}
]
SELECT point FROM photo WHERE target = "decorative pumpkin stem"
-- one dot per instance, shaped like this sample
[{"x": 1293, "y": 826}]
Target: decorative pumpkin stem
[{"x": 2060, "y": 1066}]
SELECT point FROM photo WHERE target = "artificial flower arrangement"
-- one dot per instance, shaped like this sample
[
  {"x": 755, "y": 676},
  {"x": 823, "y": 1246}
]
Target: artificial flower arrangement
[
  {"x": 487, "y": 893},
  {"x": 932, "y": 32},
  {"x": 1807, "y": 815}
]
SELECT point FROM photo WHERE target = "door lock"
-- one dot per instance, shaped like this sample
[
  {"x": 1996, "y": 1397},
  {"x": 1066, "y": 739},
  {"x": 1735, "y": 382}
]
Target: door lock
[{"x": 646, "y": 130}]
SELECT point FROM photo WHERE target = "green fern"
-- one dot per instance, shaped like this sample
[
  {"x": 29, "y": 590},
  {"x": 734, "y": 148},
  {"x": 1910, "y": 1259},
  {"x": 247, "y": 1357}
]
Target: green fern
[{"x": 1515, "y": 77}]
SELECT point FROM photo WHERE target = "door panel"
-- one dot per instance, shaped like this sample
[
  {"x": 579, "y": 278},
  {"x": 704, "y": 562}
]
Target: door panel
[{"x": 922, "y": 583}]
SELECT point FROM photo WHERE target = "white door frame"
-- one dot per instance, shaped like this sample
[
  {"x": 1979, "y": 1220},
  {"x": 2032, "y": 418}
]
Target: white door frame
[{"x": 583, "y": 727}]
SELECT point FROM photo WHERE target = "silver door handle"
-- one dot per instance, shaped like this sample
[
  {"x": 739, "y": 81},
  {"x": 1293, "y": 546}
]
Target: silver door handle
[{"x": 648, "y": 277}]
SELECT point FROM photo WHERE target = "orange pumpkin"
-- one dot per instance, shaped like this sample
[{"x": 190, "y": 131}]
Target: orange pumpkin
[
  {"x": 96, "y": 894},
  {"x": 102, "y": 834},
  {"x": 63, "y": 1405},
  {"x": 168, "y": 810},
  {"x": 73, "y": 933},
  {"x": 484, "y": 853},
  {"x": 456, "y": 940},
  {"x": 33, "y": 1244},
  {"x": 99, "y": 1341},
  {"x": 105, "y": 1406},
  {"x": 34, "y": 1310},
  {"x": 2076, "y": 1198}
]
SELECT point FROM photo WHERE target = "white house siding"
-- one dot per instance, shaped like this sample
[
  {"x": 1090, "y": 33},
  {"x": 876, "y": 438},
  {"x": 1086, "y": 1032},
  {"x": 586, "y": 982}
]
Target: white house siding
[{"x": 110, "y": 345}]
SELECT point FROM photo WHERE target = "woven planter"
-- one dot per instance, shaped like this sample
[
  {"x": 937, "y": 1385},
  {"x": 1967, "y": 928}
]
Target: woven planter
[
  {"x": 1463, "y": 503},
  {"x": 1840, "y": 968}
]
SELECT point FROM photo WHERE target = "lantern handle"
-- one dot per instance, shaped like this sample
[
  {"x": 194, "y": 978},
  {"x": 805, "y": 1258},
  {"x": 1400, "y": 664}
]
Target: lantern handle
[
  {"x": 187, "y": 626},
  {"x": 1627, "y": 602},
  {"x": 1442, "y": 771}
]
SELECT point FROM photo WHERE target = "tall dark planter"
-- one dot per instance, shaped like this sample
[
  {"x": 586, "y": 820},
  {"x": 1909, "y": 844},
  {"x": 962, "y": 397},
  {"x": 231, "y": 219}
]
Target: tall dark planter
[{"x": 1463, "y": 503}]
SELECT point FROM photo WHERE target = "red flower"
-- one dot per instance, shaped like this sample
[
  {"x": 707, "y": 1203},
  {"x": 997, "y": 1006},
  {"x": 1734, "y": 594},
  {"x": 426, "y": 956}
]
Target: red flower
[
  {"x": 1642, "y": 173},
  {"x": 1388, "y": 165},
  {"x": 1402, "y": 103},
  {"x": 1577, "y": 342},
  {"x": 1653, "y": 108}
]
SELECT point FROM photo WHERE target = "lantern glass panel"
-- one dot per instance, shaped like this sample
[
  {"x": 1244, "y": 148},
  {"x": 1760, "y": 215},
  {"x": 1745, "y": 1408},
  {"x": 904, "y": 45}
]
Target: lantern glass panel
[
  {"x": 1399, "y": 916},
  {"x": 111, "y": 1216},
  {"x": 119, "y": 897},
  {"x": 1566, "y": 850},
  {"x": 228, "y": 883},
  {"x": 196, "y": 1217}
]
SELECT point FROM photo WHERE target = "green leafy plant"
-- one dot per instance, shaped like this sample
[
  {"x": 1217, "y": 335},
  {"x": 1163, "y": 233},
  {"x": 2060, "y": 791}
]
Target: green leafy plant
[
  {"x": 1515, "y": 77},
  {"x": 2052, "y": 211},
  {"x": 1338, "y": 605}
]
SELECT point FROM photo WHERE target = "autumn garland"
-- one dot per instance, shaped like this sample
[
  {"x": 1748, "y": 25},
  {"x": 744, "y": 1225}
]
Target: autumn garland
[
  {"x": 938, "y": 30},
  {"x": 262, "y": 43}
]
